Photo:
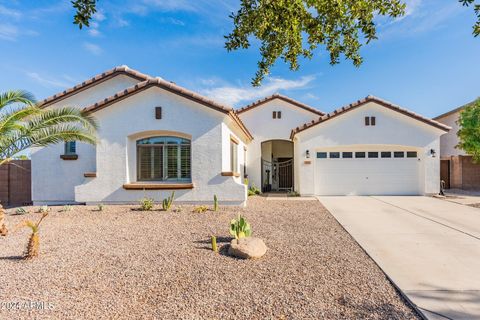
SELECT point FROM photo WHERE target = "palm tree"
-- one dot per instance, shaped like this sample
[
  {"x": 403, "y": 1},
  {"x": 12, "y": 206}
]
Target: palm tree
[{"x": 25, "y": 125}]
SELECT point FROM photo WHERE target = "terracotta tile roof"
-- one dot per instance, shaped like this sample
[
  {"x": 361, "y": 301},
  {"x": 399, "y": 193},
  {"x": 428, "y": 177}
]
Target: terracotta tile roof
[
  {"x": 363, "y": 101},
  {"x": 457, "y": 109},
  {"x": 169, "y": 86},
  {"x": 281, "y": 97},
  {"x": 99, "y": 78}
]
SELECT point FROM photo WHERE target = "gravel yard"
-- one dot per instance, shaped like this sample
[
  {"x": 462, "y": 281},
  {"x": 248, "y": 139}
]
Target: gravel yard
[{"x": 124, "y": 263}]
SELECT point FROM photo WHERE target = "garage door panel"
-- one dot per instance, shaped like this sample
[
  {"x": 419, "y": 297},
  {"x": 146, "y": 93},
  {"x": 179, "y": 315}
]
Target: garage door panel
[{"x": 367, "y": 176}]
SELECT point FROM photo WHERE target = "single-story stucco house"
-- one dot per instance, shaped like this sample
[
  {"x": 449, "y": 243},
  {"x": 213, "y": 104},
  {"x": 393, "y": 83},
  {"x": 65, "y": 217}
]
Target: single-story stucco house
[
  {"x": 156, "y": 136},
  {"x": 457, "y": 169}
]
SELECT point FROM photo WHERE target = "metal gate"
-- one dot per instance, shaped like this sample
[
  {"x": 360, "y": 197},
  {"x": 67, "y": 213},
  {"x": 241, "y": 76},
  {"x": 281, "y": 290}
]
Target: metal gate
[
  {"x": 277, "y": 175},
  {"x": 285, "y": 175}
]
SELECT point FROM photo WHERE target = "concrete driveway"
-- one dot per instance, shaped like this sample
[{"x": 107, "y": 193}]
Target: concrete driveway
[{"x": 430, "y": 248}]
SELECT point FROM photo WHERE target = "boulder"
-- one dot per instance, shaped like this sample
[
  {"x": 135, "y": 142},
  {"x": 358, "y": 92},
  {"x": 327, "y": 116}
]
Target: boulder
[{"x": 247, "y": 248}]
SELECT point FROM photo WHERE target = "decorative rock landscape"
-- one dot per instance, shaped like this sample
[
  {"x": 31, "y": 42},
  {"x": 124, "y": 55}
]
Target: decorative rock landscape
[
  {"x": 247, "y": 248},
  {"x": 244, "y": 246}
]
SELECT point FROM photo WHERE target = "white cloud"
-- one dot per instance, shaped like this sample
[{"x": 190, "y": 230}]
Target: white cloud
[
  {"x": 93, "y": 32},
  {"x": 93, "y": 48},
  {"x": 95, "y": 24},
  {"x": 235, "y": 94},
  {"x": 420, "y": 17},
  {"x": 4, "y": 11},
  {"x": 49, "y": 82},
  {"x": 120, "y": 22},
  {"x": 8, "y": 32},
  {"x": 172, "y": 5},
  {"x": 99, "y": 16},
  {"x": 170, "y": 20}
]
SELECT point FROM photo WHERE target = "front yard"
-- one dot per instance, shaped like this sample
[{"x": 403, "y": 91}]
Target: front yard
[{"x": 124, "y": 263}]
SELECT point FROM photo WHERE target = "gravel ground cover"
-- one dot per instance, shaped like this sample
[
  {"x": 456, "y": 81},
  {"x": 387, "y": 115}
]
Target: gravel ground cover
[{"x": 122, "y": 263}]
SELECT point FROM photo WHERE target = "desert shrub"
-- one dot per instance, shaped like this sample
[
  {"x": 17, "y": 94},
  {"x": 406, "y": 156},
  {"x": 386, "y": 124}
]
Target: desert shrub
[
  {"x": 66, "y": 208},
  {"x": 146, "y": 204},
  {"x": 253, "y": 190},
  {"x": 200, "y": 209},
  {"x": 100, "y": 207},
  {"x": 43, "y": 209}
]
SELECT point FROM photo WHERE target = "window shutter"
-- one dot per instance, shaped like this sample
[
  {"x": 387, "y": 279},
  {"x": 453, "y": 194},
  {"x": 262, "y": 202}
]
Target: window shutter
[
  {"x": 158, "y": 112},
  {"x": 172, "y": 162},
  {"x": 185, "y": 161}
]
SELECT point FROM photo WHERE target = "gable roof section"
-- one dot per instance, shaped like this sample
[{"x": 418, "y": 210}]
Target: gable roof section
[
  {"x": 171, "y": 87},
  {"x": 457, "y": 109},
  {"x": 362, "y": 102},
  {"x": 281, "y": 97},
  {"x": 99, "y": 78}
]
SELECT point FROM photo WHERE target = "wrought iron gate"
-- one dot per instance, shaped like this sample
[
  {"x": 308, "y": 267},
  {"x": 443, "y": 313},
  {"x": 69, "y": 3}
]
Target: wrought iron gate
[
  {"x": 285, "y": 175},
  {"x": 277, "y": 176}
]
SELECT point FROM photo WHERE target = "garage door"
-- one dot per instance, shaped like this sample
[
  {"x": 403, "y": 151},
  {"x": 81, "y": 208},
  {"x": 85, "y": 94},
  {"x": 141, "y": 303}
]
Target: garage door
[{"x": 367, "y": 173}]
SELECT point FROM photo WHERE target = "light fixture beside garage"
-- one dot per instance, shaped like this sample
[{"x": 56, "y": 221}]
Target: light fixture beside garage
[
  {"x": 433, "y": 153},
  {"x": 307, "y": 154}
]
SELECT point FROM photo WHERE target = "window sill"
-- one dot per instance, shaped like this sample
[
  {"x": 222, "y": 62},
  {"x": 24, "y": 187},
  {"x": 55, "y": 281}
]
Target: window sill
[
  {"x": 69, "y": 156},
  {"x": 90, "y": 174},
  {"x": 230, "y": 174},
  {"x": 157, "y": 186}
]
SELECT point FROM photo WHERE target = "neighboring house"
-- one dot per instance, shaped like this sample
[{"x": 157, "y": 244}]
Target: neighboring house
[
  {"x": 457, "y": 168},
  {"x": 156, "y": 137}
]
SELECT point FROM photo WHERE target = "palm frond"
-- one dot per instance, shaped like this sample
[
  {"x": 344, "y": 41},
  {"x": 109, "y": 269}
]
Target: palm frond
[
  {"x": 16, "y": 96},
  {"x": 34, "y": 127},
  {"x": 63, "y": 132},
  {"x": 54, "y": 117},
  {"x": 12, "y": 120}
]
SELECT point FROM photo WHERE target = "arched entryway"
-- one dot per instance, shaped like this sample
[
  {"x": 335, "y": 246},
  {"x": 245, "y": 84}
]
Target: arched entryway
[{"x": 277, "y": 165}]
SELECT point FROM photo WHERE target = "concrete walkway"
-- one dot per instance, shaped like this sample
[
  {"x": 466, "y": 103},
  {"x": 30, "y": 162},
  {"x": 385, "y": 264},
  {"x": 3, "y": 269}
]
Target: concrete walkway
[{"x": 430, "y": 248}]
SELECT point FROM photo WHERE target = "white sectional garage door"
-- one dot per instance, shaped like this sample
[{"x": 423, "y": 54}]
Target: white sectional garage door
[{"x": 367, "y": 173}]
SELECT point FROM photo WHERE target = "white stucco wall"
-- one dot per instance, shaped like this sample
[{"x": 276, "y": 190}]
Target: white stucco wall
[
  {"x": 121, "y": 124},
  {"x": 54, "y": 179},
  {"x": 449, "y": 140},
  {"x": 263, "y": 127},
  {"x": 348, "y": 130}
]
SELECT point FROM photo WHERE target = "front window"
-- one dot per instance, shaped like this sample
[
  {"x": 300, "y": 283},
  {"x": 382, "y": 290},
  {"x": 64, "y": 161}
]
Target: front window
[
  {"x": 163, "y": 159},
  {"x": 70, "y": 147},
  {"x": 233, "y": 156}
]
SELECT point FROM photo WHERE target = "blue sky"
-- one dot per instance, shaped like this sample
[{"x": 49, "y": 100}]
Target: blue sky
[{"x": 428, "y": 61}]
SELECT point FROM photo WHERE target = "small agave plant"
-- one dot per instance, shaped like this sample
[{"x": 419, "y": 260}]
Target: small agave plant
[
  {"x": 167, "y": 203},
  {"x": 240, "y": 228},
  {"x": 21, "y": 211}
]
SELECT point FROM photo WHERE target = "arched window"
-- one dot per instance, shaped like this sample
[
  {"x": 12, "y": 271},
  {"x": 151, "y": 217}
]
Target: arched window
[{"x": 164, "y": 159}]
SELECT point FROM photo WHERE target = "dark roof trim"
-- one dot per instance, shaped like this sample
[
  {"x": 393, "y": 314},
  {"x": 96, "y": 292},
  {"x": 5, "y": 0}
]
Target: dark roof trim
[
  {"x": 361, "y": 102},
  {"x": 281, "y": 97},
  {"x": 121, "y": 70},
  {"x": 171, "y": 87},
  {"x": 456, "y": 109}
]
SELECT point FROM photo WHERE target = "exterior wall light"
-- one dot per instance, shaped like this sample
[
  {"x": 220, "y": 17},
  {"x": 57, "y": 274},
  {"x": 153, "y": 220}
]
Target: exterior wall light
[
  {"x": 307, "y": 154},
  {"x": 433, "y": 153}
]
